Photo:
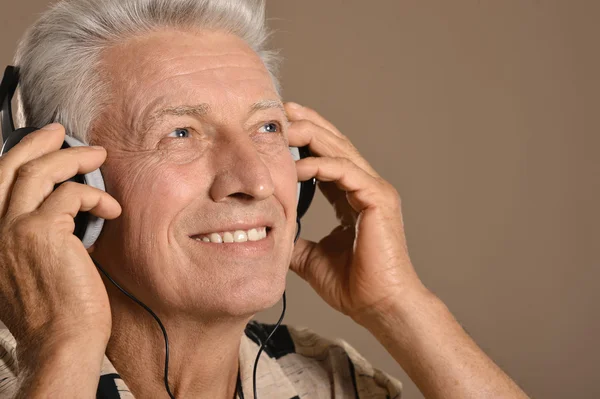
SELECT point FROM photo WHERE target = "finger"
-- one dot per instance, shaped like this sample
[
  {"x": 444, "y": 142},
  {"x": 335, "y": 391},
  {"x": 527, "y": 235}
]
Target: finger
[
  {"x": 34, "y": 145},
  {"x": 322, "y": 141},
  {"x": 71, "y": 198},
  {"x": 303, "y": 250},
  {"x": 307, "y": 256},
  {"x": 324, "y": 144},
  {"x": 363, "y": 190},
  {"x": 36, "y": 179},
  {"x": 296, "y": 112},
  {"x": 337, "y": 197}
]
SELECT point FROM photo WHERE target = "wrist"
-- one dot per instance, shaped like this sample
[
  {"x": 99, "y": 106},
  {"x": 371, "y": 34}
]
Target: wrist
[
  {"x": 61, "y": 366},
  {"x": 397, "y": 309},
  {"x": 52, "y": 342}
]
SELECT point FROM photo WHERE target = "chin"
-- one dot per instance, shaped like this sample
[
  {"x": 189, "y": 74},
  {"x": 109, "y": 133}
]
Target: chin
[{"x": 246, "y": 298}]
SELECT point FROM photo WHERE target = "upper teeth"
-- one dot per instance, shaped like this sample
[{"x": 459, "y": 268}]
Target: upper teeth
[{"x": 255, "y": 234}]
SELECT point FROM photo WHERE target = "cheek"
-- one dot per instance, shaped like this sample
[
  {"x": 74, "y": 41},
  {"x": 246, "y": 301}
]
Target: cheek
[
  {"x": 285, "y": 180},
  {"x": 150, "y": 189}
]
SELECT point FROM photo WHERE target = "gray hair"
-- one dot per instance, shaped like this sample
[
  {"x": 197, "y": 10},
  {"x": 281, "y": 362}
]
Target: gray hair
[{"x": 59, "y": 56}]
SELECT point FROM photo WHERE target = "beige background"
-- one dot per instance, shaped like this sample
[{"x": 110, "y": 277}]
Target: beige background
[{"x": 484, "y": 115}]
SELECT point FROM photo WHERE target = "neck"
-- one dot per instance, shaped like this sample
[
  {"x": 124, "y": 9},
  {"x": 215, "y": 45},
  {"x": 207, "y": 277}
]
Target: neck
[{"x": 203, "y": 355}]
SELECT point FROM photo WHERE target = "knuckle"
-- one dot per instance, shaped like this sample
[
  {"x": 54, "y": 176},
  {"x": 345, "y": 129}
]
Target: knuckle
[
  {"x": 30, "y": 169},
  {"x": 69, "y": 187},
  {"x": 345, "y": 143},
  {"x": 392, "y": 194},
  {"x": 304, "y": 125},
  {"x": 346, "y": 162},
  {"x": 27, "y": 143},
  {"x": 311, "y": 111},
  {"x": 78, "y": 150},
  {"x": 37, "y": 225},
  {"x": 350, "y": 146},
  {"x": 61, "y": 219},
  {"x": 70, "y": 191},
  {"x": 26, "y": 228}
]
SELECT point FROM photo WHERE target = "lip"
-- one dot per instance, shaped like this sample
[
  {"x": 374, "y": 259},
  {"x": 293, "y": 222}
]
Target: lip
[{"x": 238, "y": 226}]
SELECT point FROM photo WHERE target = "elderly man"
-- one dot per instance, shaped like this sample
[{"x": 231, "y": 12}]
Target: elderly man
[{"x": 180, "y": 99}]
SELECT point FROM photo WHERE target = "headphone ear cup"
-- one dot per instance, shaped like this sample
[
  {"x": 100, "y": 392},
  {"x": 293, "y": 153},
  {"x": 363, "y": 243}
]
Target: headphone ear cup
[
  {"x": 15, "y": 138},
  {"x": 87, "y": 226},
  {"x": 296, "y": 156},
  {"x": 306, "y": 189}
]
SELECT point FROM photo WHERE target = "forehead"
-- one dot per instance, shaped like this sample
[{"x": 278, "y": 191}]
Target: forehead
[{"x": 182, "y": 67}]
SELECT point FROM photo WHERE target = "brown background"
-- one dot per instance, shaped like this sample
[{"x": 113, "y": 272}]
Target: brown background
[{"x": 484, "y": 115}]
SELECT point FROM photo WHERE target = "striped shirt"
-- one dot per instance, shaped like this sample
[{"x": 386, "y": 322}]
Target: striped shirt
[{"x": 296, "y": 364}]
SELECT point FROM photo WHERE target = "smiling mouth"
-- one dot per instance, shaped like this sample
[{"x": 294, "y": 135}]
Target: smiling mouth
[{"x": 233, "y": 237}]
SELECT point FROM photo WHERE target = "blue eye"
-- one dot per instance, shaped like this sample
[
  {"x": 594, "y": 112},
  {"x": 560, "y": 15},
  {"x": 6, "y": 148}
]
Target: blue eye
[
  {"x": 271, "y": 127},
  {"x": 180, "y": 133}
]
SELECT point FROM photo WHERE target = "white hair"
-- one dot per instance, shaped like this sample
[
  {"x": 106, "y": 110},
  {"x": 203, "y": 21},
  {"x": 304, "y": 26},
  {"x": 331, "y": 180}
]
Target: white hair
[{"x": 59, "y": 56}]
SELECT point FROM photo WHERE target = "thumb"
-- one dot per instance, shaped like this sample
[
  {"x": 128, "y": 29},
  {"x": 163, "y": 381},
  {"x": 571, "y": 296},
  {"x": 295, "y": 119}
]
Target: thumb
[{"x": 302, "y": 258}]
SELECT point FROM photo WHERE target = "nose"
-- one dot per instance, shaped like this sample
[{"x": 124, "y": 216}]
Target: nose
[{"x": 241, "y": 172}]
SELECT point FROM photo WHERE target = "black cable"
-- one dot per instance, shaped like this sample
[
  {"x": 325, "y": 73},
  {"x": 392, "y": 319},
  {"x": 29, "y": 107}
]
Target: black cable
[
  {"x": 164, "y": 331},
  {"x": 238, "y": 386},
  {"x": 298, "y": 230},
  {"x": 264, "y": 344}
]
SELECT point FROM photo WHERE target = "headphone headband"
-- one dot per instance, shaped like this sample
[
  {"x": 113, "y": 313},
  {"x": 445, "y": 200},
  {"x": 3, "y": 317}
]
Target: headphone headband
[{"x": 7, "y": 92}]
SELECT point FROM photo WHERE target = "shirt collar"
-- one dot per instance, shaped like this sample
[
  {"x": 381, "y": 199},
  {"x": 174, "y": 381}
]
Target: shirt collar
[{"x": 271, "y": 381}]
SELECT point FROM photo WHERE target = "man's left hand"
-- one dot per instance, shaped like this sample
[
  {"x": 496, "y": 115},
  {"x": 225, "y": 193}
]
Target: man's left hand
[{"x": 362, "y": 267}]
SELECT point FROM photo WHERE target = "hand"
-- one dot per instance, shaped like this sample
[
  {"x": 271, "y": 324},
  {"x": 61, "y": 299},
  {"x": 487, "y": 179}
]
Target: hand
[
  {"x": 49, "y": 286},
  {"x": 363, "y": 265}
]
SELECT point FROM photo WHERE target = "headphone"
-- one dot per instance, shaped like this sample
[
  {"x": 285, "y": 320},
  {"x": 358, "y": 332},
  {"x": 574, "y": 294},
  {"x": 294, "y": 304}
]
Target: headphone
[{"x": 87, "y": 226}]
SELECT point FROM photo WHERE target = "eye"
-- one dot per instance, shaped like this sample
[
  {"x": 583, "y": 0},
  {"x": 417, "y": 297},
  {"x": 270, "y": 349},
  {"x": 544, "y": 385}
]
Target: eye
[
  {"x": 181, "y": 133},
  {"x": 271, "y": 127}
]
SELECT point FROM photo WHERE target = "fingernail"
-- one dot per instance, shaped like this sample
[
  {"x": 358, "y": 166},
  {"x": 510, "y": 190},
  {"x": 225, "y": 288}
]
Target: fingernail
[
  {"x": 97, "y": 147},
  {"x": 294, "y": 105},
  {"x": 52, "y": 126}
]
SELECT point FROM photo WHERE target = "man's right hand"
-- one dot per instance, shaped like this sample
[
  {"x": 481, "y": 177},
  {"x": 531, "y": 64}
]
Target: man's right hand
[{"x": 50, "y": 291}]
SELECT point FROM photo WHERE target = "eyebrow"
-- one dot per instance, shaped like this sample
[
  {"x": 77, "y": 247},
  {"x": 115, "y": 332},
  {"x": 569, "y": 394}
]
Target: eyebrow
[
  {"x": 198, "y": 111},
  {"x": 265, "y": 105},
  {"x": 201, "y": 110}
]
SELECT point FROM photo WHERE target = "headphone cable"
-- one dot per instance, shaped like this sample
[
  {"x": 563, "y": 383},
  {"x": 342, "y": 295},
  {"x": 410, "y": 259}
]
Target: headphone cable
[
  {"x": 264, "y": 344},
  {"x": 147, "y": 309},
  {"x": 166, "y": 338}
]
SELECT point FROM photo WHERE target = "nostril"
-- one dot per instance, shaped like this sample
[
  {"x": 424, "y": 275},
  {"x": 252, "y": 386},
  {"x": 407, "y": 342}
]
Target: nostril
[{"x": 242, "y": 196}]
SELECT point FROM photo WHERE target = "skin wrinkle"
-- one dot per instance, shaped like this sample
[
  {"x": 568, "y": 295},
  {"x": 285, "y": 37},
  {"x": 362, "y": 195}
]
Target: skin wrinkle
[
  {"x": 150, "y": 86},
  {"x": 199, "y": 111},
  {"x": 156, "y": 117},
  {"x": 141, "y": 71},
  {"x": 144, "y": 130},
  {"x": 171, "y": 188}
]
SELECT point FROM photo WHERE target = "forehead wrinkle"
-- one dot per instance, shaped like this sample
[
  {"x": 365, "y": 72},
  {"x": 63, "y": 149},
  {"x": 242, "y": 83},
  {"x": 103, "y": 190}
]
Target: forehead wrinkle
[{"x": 148, "y": 117}]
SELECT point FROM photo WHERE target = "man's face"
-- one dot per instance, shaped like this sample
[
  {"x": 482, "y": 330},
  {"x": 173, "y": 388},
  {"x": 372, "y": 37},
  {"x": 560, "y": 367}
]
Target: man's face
[{"x": 197, "y": 144}]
